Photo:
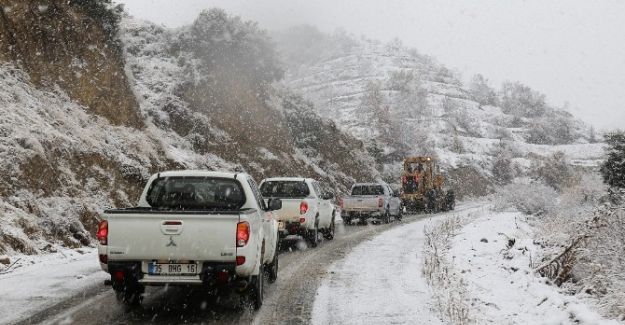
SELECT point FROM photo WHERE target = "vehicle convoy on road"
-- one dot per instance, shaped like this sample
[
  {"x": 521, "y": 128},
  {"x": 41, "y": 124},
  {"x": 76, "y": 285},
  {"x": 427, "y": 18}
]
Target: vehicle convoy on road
[
  {"x": 192, "y": 228},
  {"x": 422, "y": 186},
  {"x": 371, "y": 200},
  {"x": 307, "y": 210}
]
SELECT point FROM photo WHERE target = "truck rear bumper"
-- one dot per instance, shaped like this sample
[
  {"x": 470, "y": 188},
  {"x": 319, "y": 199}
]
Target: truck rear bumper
[
  {"x": 211, "y": 274},
  {"x": 361, "y": 214},
  {"x": 293, "y": 228},
  {"x": 171, "y": 280}
]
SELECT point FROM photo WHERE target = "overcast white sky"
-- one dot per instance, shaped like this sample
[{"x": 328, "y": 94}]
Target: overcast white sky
[{"x": 571, "y": 50}]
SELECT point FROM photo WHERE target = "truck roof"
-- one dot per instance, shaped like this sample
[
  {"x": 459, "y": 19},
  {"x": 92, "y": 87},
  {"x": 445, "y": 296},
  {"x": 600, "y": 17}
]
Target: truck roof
[
  {"x": 368, "y": 184},
  {"x": 198, "y": 173},
  {"x": 287, "y": 179}
]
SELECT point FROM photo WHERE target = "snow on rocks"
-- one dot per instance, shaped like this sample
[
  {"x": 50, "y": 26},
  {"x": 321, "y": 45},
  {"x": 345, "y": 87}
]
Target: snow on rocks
[{"x": 501, "y": 283}]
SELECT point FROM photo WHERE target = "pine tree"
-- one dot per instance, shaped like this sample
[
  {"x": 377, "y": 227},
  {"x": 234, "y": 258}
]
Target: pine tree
[{"x": 613, "y": 169}]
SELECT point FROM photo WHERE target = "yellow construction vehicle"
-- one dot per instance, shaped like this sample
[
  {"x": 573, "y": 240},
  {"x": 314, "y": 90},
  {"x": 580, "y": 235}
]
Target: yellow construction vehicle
[{"x": 422, "y": 186}]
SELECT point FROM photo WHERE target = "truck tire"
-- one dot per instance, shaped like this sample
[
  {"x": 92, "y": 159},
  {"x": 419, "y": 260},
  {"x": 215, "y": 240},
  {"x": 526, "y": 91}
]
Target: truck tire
[
  {"x": 387, "y": 217},
  {"x": 313, "y": 236},
  {"x": 347, "y": 221},
  {"x": 130, "y": 293},
  {"x": 272, "y": 268},
  {"x": 330, "y": 231},
  {"x": 400, "y": 214},
  {"x": 257, "y": 291},
  {"x": 431, "y": 202}
]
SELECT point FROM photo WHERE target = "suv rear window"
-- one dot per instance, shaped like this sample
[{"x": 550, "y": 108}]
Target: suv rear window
[
  {"x": 195, "y": 193},
  {"x": 284, "y": 189},
  {"x": 368, "y": 190}
]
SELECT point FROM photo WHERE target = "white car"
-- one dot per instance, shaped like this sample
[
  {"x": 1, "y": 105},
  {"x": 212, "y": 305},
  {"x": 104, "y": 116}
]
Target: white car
[
  {"x": 306, "y": 210},
  {"x": 192, "y": 228}
]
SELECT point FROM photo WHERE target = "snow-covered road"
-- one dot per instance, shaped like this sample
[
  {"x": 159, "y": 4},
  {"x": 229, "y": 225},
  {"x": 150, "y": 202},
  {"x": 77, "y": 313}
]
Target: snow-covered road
[{"x": 381, "y": 281}]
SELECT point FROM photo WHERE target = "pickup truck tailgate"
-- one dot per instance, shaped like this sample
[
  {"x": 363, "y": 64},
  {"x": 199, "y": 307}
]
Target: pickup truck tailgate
[
  {"x": 290, "y": 211},
  {"x": 175, "y": 237},
  {"x": 360, "y": 203}
]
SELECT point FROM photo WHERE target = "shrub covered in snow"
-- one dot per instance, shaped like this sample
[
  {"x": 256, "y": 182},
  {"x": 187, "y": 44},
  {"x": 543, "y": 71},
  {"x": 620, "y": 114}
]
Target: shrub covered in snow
[
  {"x": 530, "y": 198},
  {"x": 613, "y": 169}
]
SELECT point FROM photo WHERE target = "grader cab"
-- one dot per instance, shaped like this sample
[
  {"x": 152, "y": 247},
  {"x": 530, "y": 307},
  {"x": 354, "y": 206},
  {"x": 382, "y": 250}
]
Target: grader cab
[{"x": 422, "y": 186}]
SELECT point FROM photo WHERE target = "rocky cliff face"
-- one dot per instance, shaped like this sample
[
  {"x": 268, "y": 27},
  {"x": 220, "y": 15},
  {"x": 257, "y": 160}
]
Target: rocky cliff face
[{"x": 60, "y": 45}]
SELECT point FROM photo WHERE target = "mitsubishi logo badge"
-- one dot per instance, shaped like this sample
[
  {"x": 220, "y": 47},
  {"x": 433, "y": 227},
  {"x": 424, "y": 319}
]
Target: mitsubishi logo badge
[{"x": 171, "y": 242}]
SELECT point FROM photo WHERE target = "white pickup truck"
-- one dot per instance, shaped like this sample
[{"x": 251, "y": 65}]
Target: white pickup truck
[
  {"x": 306, "y": 210},
  {"x": 192, "y": 228},
  {"x": 371, "y": 200}
]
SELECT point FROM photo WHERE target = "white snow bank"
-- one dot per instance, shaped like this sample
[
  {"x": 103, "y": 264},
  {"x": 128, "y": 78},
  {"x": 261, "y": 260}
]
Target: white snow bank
[
  {"x": 37, "y": 282},
  {"x": 502, "y": 286}
]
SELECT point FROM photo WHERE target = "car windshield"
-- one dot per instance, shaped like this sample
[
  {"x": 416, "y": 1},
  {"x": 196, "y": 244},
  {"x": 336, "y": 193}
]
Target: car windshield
[
  {"x": 285, "y": 189},
  {"x": 195, "y": 193},
  {"x": 368, "y": 190}
]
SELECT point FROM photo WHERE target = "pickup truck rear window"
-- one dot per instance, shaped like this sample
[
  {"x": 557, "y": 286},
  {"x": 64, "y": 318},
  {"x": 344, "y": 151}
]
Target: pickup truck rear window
[
  {"x": 195, "y": 193},
  {"x": 368, "y": 190},
  {"x": 284, "y": 189}
]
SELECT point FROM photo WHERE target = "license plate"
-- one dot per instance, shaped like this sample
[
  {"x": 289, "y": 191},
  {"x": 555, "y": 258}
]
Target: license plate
[
  {"x": 172, "y": 268},
  {"x": 280, "y": 225}
]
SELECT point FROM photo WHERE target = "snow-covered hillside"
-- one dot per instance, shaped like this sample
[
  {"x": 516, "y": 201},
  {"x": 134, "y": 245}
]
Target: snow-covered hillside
[
  {"x": 66, "y": 161},
  {"x": 401, "y": 102}
]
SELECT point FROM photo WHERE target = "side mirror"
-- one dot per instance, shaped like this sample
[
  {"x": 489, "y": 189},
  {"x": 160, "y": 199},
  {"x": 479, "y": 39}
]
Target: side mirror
[
  {"x": 328, "y": 196},
  {"x": 274, "y": 204}
]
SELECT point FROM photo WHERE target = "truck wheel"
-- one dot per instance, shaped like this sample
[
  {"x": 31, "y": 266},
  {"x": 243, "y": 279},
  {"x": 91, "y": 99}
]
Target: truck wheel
[
  {"x": 313, "y": 236},
  {"x": 273, "y": 267},
  {"x": 347, "y": 220},
  {"x": 130, "y": 293},
  {"x": 330, "y": 232},
  {"x": 387, "y": 217},
  {"x": 400, "y": 214},
  {"x": 258, "y": 288}
]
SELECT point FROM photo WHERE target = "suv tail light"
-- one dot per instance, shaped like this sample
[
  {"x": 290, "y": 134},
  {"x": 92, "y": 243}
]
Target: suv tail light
[
  {"x": 243, "y": 233},
  {"x": 380, "y": 202},
  {"x": 303, "y": 207},
  {"x": 103, "y": 232}
]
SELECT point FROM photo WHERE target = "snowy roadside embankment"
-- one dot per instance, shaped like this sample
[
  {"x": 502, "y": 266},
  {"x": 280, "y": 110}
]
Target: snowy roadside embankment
[
  {"x": 471, "y": 266},
  {"x": 38, "y": 282},
  {"x": 493, "y": 254}
]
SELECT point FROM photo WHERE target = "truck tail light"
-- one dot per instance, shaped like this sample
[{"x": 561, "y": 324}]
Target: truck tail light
[
  {"x": 380, "y": 202},
  {"x": 303, "y": 207},
  {"x": 302, "y": 220},
  {"x": 103, "y": 232},
  {"x": 243, "y": 233},
  {"x": 341, "y": 203},
  {"x": 240, "y": 260},
  {"x": 118, "y": 276},
  {"x": 104, "y": 259}
]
